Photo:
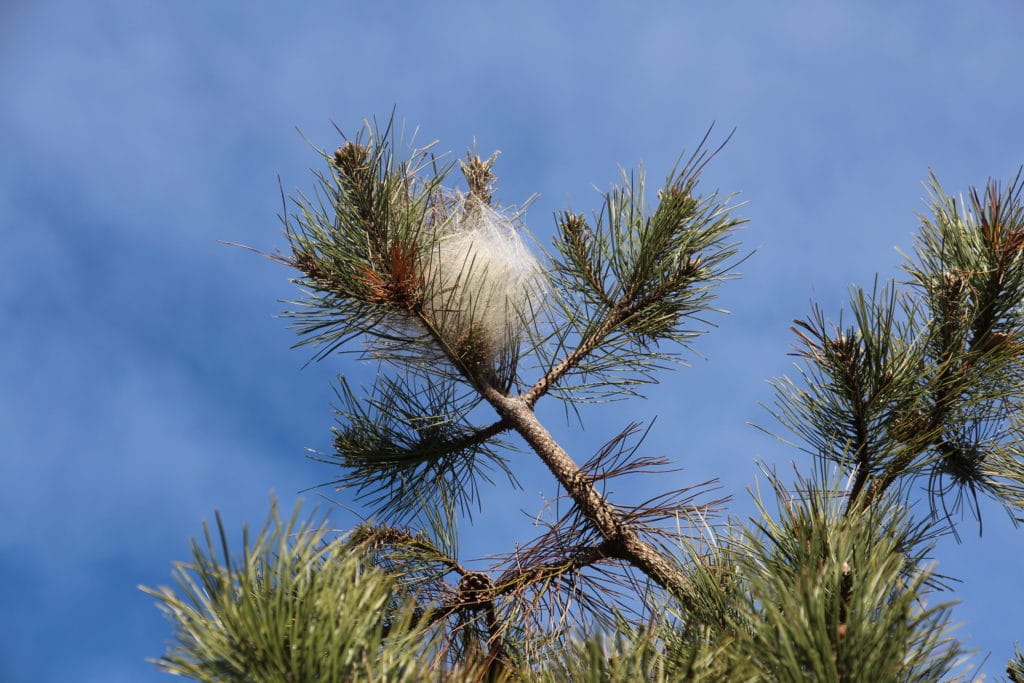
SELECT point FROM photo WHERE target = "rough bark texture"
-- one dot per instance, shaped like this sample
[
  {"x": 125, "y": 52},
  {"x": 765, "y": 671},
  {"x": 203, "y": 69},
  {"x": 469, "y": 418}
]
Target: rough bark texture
[{"x": 624, "y": 543}]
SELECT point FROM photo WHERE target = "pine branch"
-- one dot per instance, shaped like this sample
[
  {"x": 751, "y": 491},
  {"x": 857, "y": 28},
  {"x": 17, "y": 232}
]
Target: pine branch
[
  {"x": 408, "y": 447},
  {"x": 632, "y": 282},
  {"x": 661, "y": 269},
  {"x": 620, "y": 313},
  {"x": 529, "y": 573},
  {"x": 925, "y": 384},
  {"x": 372, "y": 538},
  {"x": 606, "y": 518},
  {"x": 970, "y": 267},
  {"x": 293, "y": 606},
  {"x": 837, "y": 594},
  {"x": 924, "y": 381}
]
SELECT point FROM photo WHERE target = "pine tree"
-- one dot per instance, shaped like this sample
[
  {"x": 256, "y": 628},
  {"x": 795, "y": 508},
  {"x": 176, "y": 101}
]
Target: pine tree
[{"x": 473, "y": 324}]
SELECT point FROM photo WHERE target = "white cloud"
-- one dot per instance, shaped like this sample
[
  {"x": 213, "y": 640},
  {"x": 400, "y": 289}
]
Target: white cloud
[{"x": 143, "y": 385}]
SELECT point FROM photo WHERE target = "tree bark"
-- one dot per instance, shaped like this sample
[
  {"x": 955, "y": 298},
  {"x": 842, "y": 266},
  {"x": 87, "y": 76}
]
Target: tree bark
[{"x": 624, "y": 542}]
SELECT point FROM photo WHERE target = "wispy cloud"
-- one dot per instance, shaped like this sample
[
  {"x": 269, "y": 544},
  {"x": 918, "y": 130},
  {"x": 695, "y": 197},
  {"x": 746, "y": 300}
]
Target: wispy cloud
[{"x": 144, "y": 379}]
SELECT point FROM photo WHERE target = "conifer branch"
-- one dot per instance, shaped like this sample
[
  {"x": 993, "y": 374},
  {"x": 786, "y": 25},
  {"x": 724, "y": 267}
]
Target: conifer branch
[
  {"x": 619, "y": 313},
  {"x": 971, "y": 268},
  {"x": 829, "y": 585},
  {"x": 607, "y": 519},
  {"x": 635, "y": 280}
]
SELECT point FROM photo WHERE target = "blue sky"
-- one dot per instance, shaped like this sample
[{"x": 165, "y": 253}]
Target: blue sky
[{"x": 146, "y": 379}]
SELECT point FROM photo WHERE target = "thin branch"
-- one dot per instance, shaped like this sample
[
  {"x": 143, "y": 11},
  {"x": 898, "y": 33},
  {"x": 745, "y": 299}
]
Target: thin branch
[
  {"x": 581, "y": 557},
  {"x": 372, "y": 536},
  {"x": 515, "y": 580},
  {"x": 619, "y": 313}
]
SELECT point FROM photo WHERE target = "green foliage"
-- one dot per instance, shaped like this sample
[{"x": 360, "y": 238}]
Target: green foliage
[
  {"x": 851, "y": 401},
  {"x": 919, "y": 383},
  {"x": 969, "y": 271},
  {"x": 626, "y": 656},
  {"x": 807, "y": 591},
  {"x": 635, "y": 278},
  {"x": 928, "y": 381},
  {"x": 812, "y": 595},
  {"x": 294, "y": 606},
  {"x": 840, "y": 597},
  {"x": 409, "y": 448},
  {"x": 357, "y": 242}
]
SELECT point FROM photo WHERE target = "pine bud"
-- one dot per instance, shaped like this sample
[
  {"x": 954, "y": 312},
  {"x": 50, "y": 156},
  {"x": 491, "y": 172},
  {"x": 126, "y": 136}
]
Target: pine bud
[
  {"x": 480, "y": 176},
  {"x": 351, "y": 159}
]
